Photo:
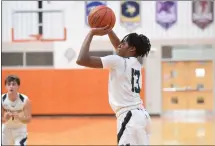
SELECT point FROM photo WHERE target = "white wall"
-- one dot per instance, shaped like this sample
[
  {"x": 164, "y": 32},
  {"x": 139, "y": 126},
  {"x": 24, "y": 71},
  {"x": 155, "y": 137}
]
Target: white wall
[
  {"x": 183, "y": 29},
  {"x": 76, "y": 29},
  {"x": 153, "y": 83},
  {"x": 75, "y": 20}
]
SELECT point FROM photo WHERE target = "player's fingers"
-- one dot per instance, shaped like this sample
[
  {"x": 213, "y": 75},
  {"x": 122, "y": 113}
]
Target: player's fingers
[
  {"x": 14, "y": 114},
  {"x": 106, "y": 27},
  {"x": 108, "y": 30}
]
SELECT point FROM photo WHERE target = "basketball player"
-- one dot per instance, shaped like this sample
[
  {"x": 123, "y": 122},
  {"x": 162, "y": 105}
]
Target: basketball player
[
  {"x": 125, "y": 82},
  {"x": 16, "y": 113}
]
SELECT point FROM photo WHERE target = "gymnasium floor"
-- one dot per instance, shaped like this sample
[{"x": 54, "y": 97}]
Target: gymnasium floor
[{"x": 102, "y": 131}]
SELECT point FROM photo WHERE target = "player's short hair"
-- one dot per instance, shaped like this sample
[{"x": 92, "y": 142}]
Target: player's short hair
[
  {"x": 140, "y": 42},
  {"x": 12, "y": 78}
]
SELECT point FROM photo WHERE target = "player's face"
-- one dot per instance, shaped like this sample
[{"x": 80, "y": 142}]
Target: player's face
[
  {"x": 12, "y": 87},
  {"x": 123, "y": 48}
]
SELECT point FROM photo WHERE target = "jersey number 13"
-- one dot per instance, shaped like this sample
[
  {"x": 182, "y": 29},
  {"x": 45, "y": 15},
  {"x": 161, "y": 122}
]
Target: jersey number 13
[{"x": 135, "y": 77}]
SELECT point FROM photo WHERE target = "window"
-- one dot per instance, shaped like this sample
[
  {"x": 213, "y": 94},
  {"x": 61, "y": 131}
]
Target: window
[
  {"x": 166, "y": 52},
  {"x": 39, "y": 59},
  {"x": 12, "y": 59}
]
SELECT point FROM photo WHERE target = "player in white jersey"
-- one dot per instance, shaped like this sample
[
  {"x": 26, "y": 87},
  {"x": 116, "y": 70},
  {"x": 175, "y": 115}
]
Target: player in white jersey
[
  {"x": 125, "y": 83},
  {"x": 16, "y": 113}
]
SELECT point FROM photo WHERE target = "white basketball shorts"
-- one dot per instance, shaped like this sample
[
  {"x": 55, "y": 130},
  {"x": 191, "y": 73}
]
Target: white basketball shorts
[
  {"x": 14, "y": 136},
  {"x": 133, "y": 127}
]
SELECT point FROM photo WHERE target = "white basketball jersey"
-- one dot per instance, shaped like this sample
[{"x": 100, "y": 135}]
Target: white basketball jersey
[
  {"x": 14, "y": 106},
  {"x": 125, "y": 81}
]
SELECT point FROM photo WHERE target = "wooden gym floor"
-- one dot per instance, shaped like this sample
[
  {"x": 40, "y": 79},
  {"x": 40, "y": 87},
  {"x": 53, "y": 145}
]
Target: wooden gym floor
[{"x": 102, "y": 131}]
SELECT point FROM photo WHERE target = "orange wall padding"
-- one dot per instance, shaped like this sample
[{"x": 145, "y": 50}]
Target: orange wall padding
[{"x": 75, "y": 91}]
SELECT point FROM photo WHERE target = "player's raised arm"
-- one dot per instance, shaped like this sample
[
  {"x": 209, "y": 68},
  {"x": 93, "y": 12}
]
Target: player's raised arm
[
  {"x": 114, "y": 39},
  {"x": 90, "y": 61}
]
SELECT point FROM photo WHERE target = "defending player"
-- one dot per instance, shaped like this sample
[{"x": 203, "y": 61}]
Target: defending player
[
  {"x": 125, "y": 83},
  {"x": 16, "y": 113}
]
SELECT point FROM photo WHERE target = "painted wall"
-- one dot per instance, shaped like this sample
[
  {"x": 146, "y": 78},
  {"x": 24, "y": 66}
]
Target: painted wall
[
  {"x": 65, "y": 91},
  {"x": 75, "y": 20},
  {"x": 183, "y": 32}
]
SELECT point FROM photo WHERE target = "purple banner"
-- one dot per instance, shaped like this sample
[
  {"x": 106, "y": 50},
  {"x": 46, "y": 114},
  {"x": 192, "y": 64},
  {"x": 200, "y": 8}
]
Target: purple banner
[{"x": 166, "y": 13}]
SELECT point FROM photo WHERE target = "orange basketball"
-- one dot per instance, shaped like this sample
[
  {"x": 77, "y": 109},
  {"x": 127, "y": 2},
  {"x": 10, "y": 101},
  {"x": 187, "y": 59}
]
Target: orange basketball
[{"x": 101, "y": 16}]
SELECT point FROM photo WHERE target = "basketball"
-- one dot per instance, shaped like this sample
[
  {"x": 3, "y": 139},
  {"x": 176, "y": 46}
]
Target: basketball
[{"x": 101, "y": 16}]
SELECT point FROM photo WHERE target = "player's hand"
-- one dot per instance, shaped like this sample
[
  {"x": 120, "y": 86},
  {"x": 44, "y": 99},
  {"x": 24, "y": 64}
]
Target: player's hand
[
  {"x": 7, "y": 115},
  {"x": 16, "y": 116},
  {"x": 101, "y": 31}
]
